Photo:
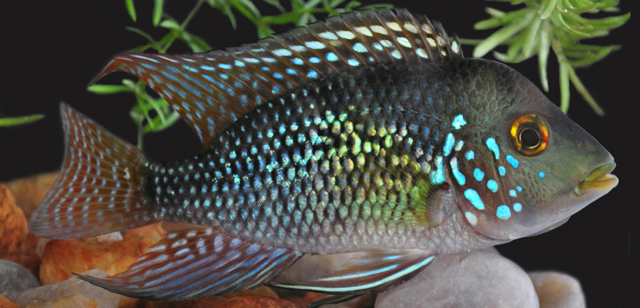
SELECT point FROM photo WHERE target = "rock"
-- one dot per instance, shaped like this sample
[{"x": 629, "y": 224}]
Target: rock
[
  {"x": 479, "y": 278},
  {"x": 15, "y": 279},
  {"x": 70, "y": 293},
  {"x": 16, "y": 243},
  {"x": 557, "y": 290},
  {"x": 255, "y": 302},
  {"x": 28, "y": 192},
  {"x": 62, "y": 257},
  {"x": 6, "y": 303}
]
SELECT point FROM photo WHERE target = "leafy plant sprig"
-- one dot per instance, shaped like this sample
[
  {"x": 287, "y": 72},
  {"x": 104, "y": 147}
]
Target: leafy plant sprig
[
  {"x": 551, "y": 24},
  {"x": 20, "y": 120},
  {"x": 301, "y": 13}
]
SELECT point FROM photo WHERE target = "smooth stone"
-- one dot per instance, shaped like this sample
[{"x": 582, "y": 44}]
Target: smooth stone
[
  {"x": 480, "y": 278},
  {"x": 557, "y": 290},
  {"x": 72, "y": 291},
  {"x": 15, "y": 279}
]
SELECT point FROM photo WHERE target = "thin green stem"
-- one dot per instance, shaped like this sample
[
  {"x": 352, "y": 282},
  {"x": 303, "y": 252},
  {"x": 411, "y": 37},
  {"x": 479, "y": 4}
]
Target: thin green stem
[{"x": 176, "y": 33}]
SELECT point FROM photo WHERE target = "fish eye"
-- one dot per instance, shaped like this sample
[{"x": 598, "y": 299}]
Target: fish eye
[{"x": 529, "y": 134}]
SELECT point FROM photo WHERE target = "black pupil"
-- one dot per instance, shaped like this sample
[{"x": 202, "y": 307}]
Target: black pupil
[{"x": 529, "y": 138}]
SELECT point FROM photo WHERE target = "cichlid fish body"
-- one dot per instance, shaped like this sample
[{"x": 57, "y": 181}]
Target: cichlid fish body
[{"x": 369, "y": 133}]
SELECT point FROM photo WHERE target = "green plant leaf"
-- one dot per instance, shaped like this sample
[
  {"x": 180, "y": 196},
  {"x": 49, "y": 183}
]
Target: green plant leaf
[
  {"x": 503, "y": 34},
  {"x": 108, "y": 89},
  {"x": 546, "y": 7},
  {"x": 20, "y": 120},
  {"x": 157, "y": 11},
  {"x": 131, "y": 9}
]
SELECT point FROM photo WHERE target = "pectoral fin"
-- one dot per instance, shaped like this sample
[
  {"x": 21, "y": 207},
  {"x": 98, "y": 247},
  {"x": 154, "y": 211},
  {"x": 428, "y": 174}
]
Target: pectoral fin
[{"x": 373, "y": 272}]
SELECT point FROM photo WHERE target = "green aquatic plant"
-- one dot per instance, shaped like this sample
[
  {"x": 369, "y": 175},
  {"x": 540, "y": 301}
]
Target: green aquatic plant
[
  {"x": 301, "y": 13},
  {"x": 557, "y": 25},
  {"x": 20, "y": 120}
]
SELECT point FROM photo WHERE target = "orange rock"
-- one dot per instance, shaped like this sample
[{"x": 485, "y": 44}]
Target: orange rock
[
  {"x": 76, "y": 301},
  {"x": 62, "y": 257},
  {"x": 28, "y": 192},
  {"x": 16, "y": 243},
  {"x": 257, "y": 302},
  {"x": 6, "y": 303}
]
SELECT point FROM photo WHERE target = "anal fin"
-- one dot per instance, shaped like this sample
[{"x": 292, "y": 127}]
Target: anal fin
[
  {"x": 373, "y": 272},
  {"x": 198, "y": 263}
]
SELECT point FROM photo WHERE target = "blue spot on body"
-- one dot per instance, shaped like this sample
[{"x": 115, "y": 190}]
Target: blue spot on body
[
  {"x": 358, "y": 47},
  {"x": 541, "y": 174},
  {"x": 224, "y": 65},
  {"x": 353, "y": 62},
  {"x": 239, "y": 63},
  {"x": 275, "y": 90},
  {"x": 469, "y": 155},
  {"x": 314, "y": 60},
  {"x": 474, "y": 198},
  {"x": 312, "y": 74},
  {"x": 493, "y": 147},
  {"x": 512, "y": 193},
  {"x": 503, "y": 212},
  {"x": 458, "y": 122},
  {"x": 332, "y": 56},
  {"x": 291, "y": 71},
  {"x": 502, "y": 171},
  {"x": 517, "y": 207},
  {"x": 511, "y": 160},
  {"x": 208, "y": 68},
  {"x": 456, "y": 173},
  {"x": 478, "y": 174},
  {"x": 492, "y": 185},
  {"x": 519, "y": 188},
  {"x": 437, "y": 176},
  {"x": 297, "y": 61},
  {"x": 277, "y": 75},
  {"x": 448, "y": 144}
]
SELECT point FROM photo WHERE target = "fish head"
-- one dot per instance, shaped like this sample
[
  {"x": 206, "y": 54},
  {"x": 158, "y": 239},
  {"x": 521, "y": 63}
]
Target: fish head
[{"x": 532, "y": 166}]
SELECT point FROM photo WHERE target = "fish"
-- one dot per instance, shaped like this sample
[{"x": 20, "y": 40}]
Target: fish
[{"x": 367, "y": 133}]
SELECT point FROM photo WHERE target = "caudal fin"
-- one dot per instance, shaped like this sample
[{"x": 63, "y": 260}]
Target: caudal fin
[{"x": 98, "y": 189}]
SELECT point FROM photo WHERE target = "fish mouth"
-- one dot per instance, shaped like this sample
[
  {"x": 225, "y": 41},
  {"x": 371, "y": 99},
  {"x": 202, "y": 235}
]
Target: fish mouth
[{"x": 599, "y": 179}]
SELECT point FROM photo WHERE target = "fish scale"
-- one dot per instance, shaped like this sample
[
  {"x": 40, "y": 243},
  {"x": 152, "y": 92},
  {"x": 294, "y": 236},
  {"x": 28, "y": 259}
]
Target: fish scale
[
  {"x": 366, "y": 133},
  {"x": 323, "y": 150}
]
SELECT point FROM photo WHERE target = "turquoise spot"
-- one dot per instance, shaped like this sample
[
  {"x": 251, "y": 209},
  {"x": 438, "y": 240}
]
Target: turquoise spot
[
  {"x": 492, "y": 185},
  {"x": 478, "y": 174},
  {"x": 503, "y": 212},
  {"x": 458, "y": 122},
  {"x": 502, "y": 171},
  {"x": 474, "y": 198},
  {"x": 353, "y": 62},
  {"x": 493, "y": 146},
  {"x": 512, "y": 193},
  {"x": 207, "y": 68},
  {"x": 437, "y": 176},
  {"x": 332, "y": 57},
  {"x": 239, "y": 63},
  {"x": 358, "y": 47},
  {"x": 541, "y": 174},
  {"x": 224, "y": 65},
  {"x": 519, "y": 188},
  {"x": 448, "y": 144},
  {"x": 456, "y": 173},
  {"x": 511, "y": 160},
  {"x": 315, "y": 45},
  {"x": 312, "y": 74},
  {"x": 471, "y": 218},
  {"x": 469, "y": 155},
  {"x": 314, "y": 60},
  {"x": 517, "y": 207},
  {"x": 297, "y": 61}
]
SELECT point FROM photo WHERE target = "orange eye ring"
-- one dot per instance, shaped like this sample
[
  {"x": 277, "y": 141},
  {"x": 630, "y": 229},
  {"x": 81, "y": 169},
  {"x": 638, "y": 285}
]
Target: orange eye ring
[{"x": 529, "y": 134}]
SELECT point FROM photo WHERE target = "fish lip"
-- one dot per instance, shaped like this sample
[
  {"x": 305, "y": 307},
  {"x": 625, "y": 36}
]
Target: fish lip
[{"x": 599, "y": 178}]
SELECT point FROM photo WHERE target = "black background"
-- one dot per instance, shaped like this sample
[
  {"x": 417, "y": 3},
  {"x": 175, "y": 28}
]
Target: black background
[{"x": 52, "y": 49}]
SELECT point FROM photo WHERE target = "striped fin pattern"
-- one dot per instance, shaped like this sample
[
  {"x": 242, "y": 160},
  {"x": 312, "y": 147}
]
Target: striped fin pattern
[
  {"x": 373, "y": 272},
  {"x": 197, "y": 263},
  {"x": 98, "y": 189},
  {"x": 211, "y": 90}
]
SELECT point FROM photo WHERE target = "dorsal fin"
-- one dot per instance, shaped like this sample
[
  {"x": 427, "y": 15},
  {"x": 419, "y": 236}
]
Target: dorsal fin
[{"x": 211, "y": 90}]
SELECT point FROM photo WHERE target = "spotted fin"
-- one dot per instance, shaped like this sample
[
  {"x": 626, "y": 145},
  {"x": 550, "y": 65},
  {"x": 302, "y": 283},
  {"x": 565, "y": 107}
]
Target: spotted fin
[
  {"x": 374, "y": 272},
  {"x": 211, "y": 90},
  {"x": 198, "y": 263},
  {"x": 98, "y": 189}
]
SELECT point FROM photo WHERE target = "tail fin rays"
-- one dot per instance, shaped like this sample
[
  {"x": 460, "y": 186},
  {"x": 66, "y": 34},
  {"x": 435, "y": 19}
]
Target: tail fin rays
[{"x": 98, "y": 189}]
